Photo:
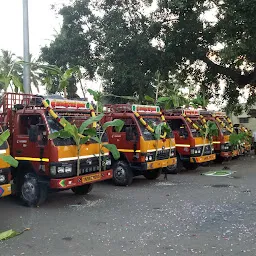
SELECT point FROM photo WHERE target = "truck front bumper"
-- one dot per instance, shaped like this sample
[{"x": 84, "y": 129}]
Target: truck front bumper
[
  {"x": 235, "y": 153},
  {"x": 161, "y": 163},
  {"x": 226, "y": 154},
  {"x": 5, "y": 190},
  {"x": 202, "y": 159},
  {"x": 80, "y": 180}
]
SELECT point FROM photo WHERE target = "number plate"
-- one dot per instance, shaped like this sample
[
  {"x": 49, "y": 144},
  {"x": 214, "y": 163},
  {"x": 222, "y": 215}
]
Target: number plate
[{"x": 91, "y": 178}]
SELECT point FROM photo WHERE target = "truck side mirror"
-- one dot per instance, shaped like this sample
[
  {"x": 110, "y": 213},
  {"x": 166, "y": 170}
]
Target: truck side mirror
[
  {"x": 129, "y": 133},
  {"x": 42, "y": 136},
  {"x": 32, "y": 133}
]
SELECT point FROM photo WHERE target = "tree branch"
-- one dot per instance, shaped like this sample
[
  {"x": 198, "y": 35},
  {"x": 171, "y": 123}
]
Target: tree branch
[{"x": 235, "y": 75}]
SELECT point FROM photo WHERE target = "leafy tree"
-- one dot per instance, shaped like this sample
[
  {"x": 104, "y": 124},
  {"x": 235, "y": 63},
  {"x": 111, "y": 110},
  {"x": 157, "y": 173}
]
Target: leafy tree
[
  {"x": 127, "y": 46},
  {"x": 10, "y": 77}
]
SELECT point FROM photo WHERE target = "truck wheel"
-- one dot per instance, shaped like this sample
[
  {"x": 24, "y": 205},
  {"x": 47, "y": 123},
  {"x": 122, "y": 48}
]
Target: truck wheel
[
  {"x": 190, "y": 166},
  {"x": 171, "y": 170},
  {"x": 178, "y": 168},
  {"x": 82, "y": 190},
  {"x": 153, "y": 174},
  {"x": 122, "y": 174},
  {"x": 32, "y": 192}
]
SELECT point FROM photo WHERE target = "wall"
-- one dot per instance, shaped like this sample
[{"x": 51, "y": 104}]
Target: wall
[{"x": 252, "y": 121}]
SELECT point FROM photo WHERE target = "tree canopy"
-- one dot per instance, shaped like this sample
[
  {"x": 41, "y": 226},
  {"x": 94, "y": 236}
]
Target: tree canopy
[{"x": 199, "y": 42}]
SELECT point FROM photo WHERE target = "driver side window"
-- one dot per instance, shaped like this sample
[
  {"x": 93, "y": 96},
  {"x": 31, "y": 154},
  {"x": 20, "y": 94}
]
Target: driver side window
[
  {"x": 179, "y": 127},
  {"x": 25, "y": 122}
]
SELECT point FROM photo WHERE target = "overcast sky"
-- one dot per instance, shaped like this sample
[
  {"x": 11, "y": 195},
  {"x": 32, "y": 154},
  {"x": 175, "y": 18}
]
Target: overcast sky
[{"x": 42, "y": 20}]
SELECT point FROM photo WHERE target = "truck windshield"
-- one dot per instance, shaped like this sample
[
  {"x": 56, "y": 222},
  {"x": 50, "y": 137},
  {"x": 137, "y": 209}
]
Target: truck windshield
[
  {"x": 55, "y": 127},
  {"x": 153, "y": 122},
  {"x": 224, "y": 130},
  {"x": 199, "y": 123}
]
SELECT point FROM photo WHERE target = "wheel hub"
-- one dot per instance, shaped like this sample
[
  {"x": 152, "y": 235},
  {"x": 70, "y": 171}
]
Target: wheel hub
[
  {"x": 120, "y": 173},
  {"x": 28, "y": 191}
]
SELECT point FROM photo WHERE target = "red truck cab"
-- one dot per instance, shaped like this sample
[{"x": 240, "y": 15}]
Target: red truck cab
[
  {"x": 49, "y": 164},
  {"x": 192, "y": 149},
  {"x": 222, "y": 146},
  {"x": 141, "y": 153}
]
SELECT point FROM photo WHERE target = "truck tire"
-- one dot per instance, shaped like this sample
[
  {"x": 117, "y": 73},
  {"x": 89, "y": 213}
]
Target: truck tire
[
  {"x": 82, "y": 190},
  {"x": 190, "y": 166},
  {"x": 178, "y": 167},
  {"x": 153, "y": 174},
  {"x": 32, "y": 192},
  {"x": 122, "y": 174}
]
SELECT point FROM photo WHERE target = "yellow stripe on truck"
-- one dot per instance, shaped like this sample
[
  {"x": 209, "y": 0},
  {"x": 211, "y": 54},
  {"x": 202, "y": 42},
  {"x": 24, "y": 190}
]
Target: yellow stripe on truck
[{"x": 33, "y": 159}]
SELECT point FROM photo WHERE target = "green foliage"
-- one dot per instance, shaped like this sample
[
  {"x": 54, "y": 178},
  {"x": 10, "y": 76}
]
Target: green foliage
[
  {"x": 130, "y": 46},
  {"x": 199, "y": 102},
  {"x": 84, "y": 133},
  {"x": 8, "y": 234},
  {"x": 160, "y": 129},
  {"x": 100, "y": 97},
  {"x": 238, "y": 138},
  {"x": 7, "y": 158},
  {"x": 209, "y": 131}
]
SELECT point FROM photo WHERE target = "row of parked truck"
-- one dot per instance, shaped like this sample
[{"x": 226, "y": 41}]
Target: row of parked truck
[{"x": 51, "y": 164}]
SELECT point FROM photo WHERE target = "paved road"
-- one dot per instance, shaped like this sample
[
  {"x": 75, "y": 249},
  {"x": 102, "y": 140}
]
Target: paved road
[{"x": 189, "y": 214}]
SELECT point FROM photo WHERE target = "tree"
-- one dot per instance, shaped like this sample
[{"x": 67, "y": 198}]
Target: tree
[{"x": 127, "y": 46}]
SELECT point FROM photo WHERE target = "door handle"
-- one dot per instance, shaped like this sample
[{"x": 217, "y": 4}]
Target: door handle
[{"x": 18, "y": 151}]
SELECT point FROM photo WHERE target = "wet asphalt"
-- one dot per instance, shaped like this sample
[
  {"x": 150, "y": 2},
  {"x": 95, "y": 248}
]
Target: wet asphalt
[{"x": 189, "y": 214}]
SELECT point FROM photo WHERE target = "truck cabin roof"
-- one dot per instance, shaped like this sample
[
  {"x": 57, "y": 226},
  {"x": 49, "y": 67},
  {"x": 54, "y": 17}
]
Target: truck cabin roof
[
  {"x": 179, "y": 112},
  {"x": 129, "y": 108},
  {"x": 30, "y": 102}
]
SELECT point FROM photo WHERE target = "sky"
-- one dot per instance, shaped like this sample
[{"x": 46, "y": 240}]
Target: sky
[{"x": 43, "y": 24}]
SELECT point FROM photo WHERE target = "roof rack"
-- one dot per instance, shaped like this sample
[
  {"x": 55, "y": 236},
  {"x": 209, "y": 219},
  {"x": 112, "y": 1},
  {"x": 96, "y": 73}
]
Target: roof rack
[
  {"x": 21, "y": 100},
  {"x": 124, "y": 108},
  {"x": 219, "y": 113},
  {"x": 178, "y": 112},
  {"x": 206, "y": 112}
]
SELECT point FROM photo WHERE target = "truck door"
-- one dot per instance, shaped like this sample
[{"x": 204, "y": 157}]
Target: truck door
[
  {"x": 122, "y": 141},
  {"x": 24, "y": 149},
  {"x": 181, "y": 134}
]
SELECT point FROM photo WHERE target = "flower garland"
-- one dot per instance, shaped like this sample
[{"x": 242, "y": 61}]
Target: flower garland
[
  {"x": 222, "y": 123},
  {"x": 147, "y": 126},
  {"x": 58, "y": 119},
  {"x": 229, "y": 122},
  {"x": 203, "y": 121},
  {"x": 191, "y": 122}
]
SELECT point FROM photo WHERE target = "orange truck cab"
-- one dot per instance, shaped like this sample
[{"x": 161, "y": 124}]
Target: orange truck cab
[
  {"x": 226, "y": 124},
  {"x": 5, "y": 172},
  {"x": 141, "y": 153},
  {"x": 222, "y": 146},
  {"x": 49, "y": 164},
  {"x": 192, "y": 149}
]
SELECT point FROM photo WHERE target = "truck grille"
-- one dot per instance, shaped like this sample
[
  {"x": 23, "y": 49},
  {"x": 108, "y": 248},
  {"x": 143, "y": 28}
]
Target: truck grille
[
  {"x": 207, "y": 150},
  {"x": 163, "y": 154}
]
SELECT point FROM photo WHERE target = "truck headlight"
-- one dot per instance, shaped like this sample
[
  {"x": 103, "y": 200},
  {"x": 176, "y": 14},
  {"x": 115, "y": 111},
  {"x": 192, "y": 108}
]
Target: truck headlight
[
  {"x": 146, "y": 158},
  {"x": 53, "y": 170},
  {"x": 108, "y": 162},
  {"x": 68, "y": 169},
  {"x": 2, "y": 179},
  {"x": 61, "y": 170},
  {"x": 150, "y": 158}
]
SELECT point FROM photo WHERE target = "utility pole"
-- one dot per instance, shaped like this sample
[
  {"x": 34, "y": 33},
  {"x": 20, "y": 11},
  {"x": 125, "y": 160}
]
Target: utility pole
[{"x": 26, "y": 66}]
